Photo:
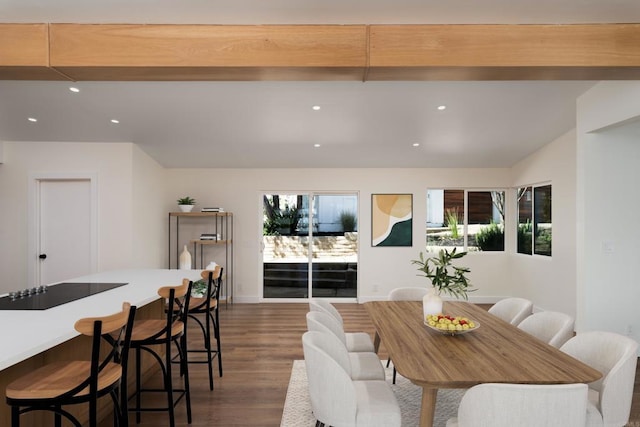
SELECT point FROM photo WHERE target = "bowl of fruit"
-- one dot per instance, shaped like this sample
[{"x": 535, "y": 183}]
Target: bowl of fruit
[{"x": 450, "y": 325}]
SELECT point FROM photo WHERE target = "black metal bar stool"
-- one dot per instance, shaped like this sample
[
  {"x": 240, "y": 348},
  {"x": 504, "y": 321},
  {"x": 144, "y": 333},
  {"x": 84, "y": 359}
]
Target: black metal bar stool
[
  {"x": 164, "y": 332},
  {"x": 207, "y": 305},
  {"x": 55, "y": 385}
]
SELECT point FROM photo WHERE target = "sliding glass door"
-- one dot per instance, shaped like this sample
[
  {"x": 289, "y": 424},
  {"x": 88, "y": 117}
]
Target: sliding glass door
[{"x": 310, "y": 245}]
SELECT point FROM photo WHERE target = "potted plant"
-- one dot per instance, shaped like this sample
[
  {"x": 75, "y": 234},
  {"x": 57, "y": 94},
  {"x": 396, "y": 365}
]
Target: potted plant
[
  {"x": 444, "y": 277},
  {"x": 186, "y": 204}
]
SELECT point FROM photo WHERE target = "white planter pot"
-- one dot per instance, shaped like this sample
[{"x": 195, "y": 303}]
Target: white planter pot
[{"x": 185, "y": 208}]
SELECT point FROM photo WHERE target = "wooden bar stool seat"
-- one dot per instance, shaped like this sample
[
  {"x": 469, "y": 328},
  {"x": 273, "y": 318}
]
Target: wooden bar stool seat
[
  {"x": 80, "y": 381},
  {"x": 149, "y": 336}
]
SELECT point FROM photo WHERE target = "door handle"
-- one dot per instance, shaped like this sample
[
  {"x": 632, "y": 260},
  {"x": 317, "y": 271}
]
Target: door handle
[{"x": 42, "y": 256}]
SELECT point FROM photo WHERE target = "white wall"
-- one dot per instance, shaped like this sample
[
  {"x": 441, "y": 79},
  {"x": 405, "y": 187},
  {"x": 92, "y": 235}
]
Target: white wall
[
  {"x": 380, "y": 268},
  {"x": 149, "y": 226},
  {"x": 135, "y": 195},
  {"x": 550, "y": 282},
  {"x": 608, "y": 203},
  {"x": 111, "y": 163}
]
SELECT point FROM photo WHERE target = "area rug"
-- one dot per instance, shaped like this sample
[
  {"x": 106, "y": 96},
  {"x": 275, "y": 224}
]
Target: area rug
[{"x": 297, "y": 406}]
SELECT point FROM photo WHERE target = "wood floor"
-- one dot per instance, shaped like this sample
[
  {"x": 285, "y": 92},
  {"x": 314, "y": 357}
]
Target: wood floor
[{"x": 260, "y": 343}]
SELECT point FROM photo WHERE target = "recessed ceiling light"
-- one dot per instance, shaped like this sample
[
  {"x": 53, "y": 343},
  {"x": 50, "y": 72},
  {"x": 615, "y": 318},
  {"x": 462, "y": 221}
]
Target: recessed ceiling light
[
  {"x": 115, "y": 121},
  {"x": 416, "y": 144},
  {"x": 32, "y": 119},
  {"x": 316, "y": 145},
  {"x": 442, "y": 107},
  {"x": 316, "y": 107},
  {"x": 74, "y": 89}
]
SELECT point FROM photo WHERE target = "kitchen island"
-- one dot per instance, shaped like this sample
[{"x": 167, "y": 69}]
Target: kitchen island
[{"x": 32, "y": 338}]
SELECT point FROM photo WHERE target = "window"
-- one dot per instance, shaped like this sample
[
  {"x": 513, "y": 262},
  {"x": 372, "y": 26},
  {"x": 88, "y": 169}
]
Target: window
[
  {"x": 468, "y": 220},
  {"x": 534, "y": 220}
]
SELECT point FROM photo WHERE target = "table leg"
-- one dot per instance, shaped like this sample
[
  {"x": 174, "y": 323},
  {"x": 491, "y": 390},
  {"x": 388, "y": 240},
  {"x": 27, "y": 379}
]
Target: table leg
[
  {"x": 376, "y": 342},
  {"x": 428, "y": 408}
]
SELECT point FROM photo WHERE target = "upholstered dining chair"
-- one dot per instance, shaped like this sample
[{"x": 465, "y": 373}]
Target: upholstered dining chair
[
  {"x": 522, "y": 405},
  {"x": 63, "y": 383},
  {"x": 405, "y": 294},
  {"x": 408, "y": 293},
  {"x": 337, "y": 400},
  {"x": 355, "y": 341},
  {"x": 552, "y": 327},
  {"x": 361, "y": 365},
  {"x": 615, "y": 356},
  {"x": 318, "y": 304},
  {"x": 512, "y": 310}
]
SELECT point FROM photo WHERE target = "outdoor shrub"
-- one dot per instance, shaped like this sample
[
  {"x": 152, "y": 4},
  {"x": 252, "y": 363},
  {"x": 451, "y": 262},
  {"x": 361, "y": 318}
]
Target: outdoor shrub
[
  {"x": 525, "y": 231},
  {"x": 490, "y": 238},
  {"x": 451, "y": 218},
  {"x": 348, "y": 221}
]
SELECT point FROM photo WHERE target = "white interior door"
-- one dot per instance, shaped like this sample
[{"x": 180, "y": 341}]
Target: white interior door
[{"x": 64, "y": 221}]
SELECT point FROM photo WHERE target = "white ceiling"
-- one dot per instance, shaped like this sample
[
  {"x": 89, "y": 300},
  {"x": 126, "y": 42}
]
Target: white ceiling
[{"x": 272, "y": 124}]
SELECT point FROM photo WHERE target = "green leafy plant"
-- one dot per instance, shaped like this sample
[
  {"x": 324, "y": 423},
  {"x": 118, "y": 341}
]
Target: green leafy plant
[
  {"x": 444, "y": 276},
  {"x": 348, "y": 221},
  {"x": 186, "y": 201},
  {"x": 279, "y": 221},
  {"x": 199, "y": 287},
  {"x": 451, "y": 216},
  {"x": 287, "y": 220},
  {"x": 490, "y": 238}
]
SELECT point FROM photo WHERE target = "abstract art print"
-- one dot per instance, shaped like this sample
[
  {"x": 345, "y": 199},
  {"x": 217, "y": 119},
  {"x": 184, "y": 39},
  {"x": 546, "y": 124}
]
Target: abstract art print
[{"x": 391, "y": 219}]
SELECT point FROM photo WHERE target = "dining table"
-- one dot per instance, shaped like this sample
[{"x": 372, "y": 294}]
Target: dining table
[{"x": 493, "y": 352}]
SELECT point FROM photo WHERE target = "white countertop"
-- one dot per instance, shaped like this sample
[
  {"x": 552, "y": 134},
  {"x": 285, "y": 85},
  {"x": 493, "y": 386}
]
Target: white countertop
[{"x": 26, "y": 333}]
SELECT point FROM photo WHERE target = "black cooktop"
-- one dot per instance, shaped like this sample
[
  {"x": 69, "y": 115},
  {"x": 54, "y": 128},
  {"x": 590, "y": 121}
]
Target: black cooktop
[{"x": 42, "y": 298}]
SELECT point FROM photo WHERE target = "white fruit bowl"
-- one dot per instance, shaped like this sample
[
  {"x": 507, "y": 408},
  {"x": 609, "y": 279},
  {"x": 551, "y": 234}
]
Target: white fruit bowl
[{"x": 451, "y": 332}]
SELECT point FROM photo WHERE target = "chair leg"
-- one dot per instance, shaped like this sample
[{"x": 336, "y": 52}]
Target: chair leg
[
  {"x": 15, "y": 416},
  {"x": 207, "y": 345},
  {"x": 93, "y": 411},
  {"x": 187, "y": 391},
  {"x": 168, "y": 385},
  {"x": 394, "y": 375},
  {"x": 388, "y": 361},
  {"x": 216, "y": 327},
  {"x": 138, "y": 382}
]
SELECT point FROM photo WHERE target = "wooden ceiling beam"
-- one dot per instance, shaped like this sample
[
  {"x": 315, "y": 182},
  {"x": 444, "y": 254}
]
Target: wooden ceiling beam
[
  {"x": 504, "y": 52},
  {"x": 209, "y": 52},
  {"x": 24, "y": 53},
  {"x": 319, "y": 52}
]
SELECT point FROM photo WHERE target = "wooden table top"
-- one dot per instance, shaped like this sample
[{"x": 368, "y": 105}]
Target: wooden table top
[{"x": 495, "y": 352}]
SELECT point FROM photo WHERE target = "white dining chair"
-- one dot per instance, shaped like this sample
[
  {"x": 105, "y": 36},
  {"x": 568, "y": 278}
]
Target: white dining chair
[
  {"x": 405, "y": 294},
  {"x": 337, "y": 400},
  {"x": 512, "y": 310},
  {"x": 322, "y": 305},
  {"x": 615, "y": 356},
  {"x": 408, "y": 293},
  {"x": 522, "y": 405},
  {"x": 361, "y": 366},
  {"x": 552, "y": 327},
  {"x": 355, "y": 341}
]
